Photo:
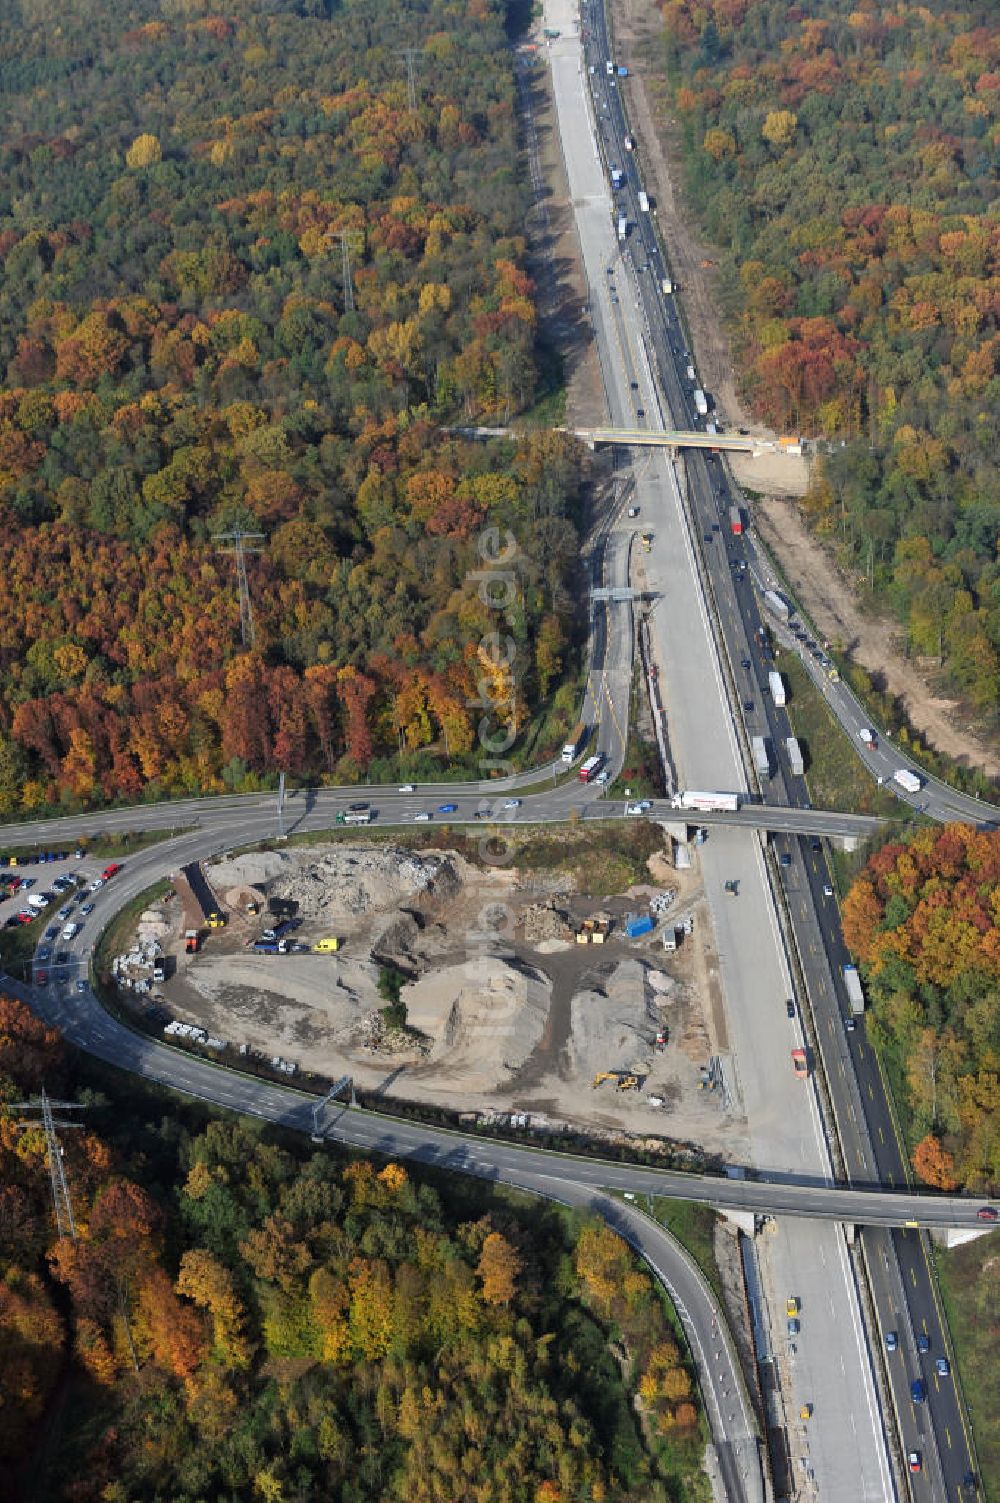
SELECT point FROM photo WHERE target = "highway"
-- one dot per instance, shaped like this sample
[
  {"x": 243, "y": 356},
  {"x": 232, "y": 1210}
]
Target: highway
[{"x": 899, "y": 1274}]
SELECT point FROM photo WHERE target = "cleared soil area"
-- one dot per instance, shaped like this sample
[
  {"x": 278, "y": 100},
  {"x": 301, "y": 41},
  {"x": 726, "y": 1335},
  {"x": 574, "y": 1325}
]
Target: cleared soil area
[{"x": 506, "y": 1011}]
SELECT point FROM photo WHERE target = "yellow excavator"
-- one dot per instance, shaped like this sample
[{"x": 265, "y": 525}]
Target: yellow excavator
[{"x": 623, "y": 1080}]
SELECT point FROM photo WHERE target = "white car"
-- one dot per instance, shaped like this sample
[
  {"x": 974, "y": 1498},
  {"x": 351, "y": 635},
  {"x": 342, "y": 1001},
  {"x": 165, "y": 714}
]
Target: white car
[
  {"x": 634, "y": 809},
  {"x": 513, "y": 803},
  {"x": 827, "y": 890},
  {"x": 408, "y": 788},
  {"x": 96, "y": 885},
  {"x": 603, "y": 775},
  {"x": 421, "y": 819}
]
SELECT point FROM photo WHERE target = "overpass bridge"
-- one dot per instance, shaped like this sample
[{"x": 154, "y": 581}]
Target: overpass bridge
[{"x": 649, "y": 438}]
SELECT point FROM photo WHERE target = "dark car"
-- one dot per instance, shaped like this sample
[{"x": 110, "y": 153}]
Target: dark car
[
  {"x": 790, "y": 1008},
  {"x": 744, "y": 662},
  {"x": 785, "y": 859},
  {"x": 359, "y": 808},
  {"x": 923, "y": 1343},
  {"x": 748, "y": 706},
  {"x": 918, "y": 1391},
  {"x": 987, "y": 1213}
]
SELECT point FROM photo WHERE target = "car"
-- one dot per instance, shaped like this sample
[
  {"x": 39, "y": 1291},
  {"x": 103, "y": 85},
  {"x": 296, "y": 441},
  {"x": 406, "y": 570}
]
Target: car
[
  {"x": 645, "y": 804},
  {"x": 716, "y": 527},
  {"x": 111, "y": 870},
  {"x": 915, "y": 1461},
  {"x": 923, "y": 1343},
  {"x": 634, "y": 385},
  {"x": 640, "y": 412},
  {"x": 603, "y": 776},
  {"x": 447, "y": 808},
  {"x": 43, "y": 953},
  {"x": 707, "y": 536},
  {"x": 65, "y": 912},
  {"x": 918, "y": 1391},
  {"x": 421, "y": 818},
  {"x": 41, "y": 978},
  {"x": 891, "y": 1341},
  {"x": 26, "y": 916},
  {"x": 794, "y": 1326},
  {"x": 785, "y": 859},
  {"x": 633, "y": 511},
  {"x": 942, "y": 1367},
  {"x": 745, "y": 663},
  {"x": 361, "y": 808},
  {"x": 827, "y": 890},
  {"x": 512, "y": 803},
  {"x": 815, "y": 844},
  {"x": 850, "y": 1024},
  {"x": 791, "y": 1305},
  {"x": 408, "y": 788},
  {"x": 96, "y": 885},
  {"x": 27, "y": 882},
  {"x": 86, "y": 907},
  {"x": 482, "y": 814},
  {"x": 748, "y": 707},
  {"x": 62, "y": 956},
  {"x": 987, "y": 1213},
  {"x": 52, "y": 931},
  {"x": 790, "y": 1008},
  {"x": 81, "y": 985}
]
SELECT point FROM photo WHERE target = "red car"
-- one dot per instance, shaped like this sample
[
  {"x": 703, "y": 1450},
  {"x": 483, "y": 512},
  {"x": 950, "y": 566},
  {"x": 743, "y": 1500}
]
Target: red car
[
  {"x": 109, "y": 871},
  {"x": 26, "y": 916},
  {"x": 41, "y": 978},
  {"x": 987, "y": 1213}
]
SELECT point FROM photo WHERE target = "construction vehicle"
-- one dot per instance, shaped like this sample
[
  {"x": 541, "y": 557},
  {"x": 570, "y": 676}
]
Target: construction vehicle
[
  {"x": 593, "y": 931},
  {"x": 646, "y": 538},
  {"x": 215, "y": 920},
  {"x": 624, "y": 1081},
  {"x": 806, "y": 1412},
  {"x": 662, "y": 1038},
  {"x": 192, "y": 941}
]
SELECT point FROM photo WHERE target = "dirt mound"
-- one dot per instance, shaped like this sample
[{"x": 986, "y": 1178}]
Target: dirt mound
[
  {"x": 484, "y": 1017},
  {"x": 614, "y": 1029},
  {"x": 347, "y": 882}
]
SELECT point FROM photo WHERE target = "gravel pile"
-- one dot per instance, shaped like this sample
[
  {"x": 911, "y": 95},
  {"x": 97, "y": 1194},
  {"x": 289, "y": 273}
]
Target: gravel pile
[{"x": 614, "y": 1029}]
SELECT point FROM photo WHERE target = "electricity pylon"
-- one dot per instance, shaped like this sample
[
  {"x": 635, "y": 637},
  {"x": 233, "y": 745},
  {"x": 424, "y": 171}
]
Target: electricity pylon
[
  {"x": 61, "y": 1202},
  {"x": 240, "y": 543}
]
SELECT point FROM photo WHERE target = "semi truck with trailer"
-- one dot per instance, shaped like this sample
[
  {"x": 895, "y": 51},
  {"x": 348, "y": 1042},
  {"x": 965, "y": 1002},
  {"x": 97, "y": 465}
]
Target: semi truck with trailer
[
  {"x": 700, "y": 402},
  {"x": 852, "y": 985},
  {"x": 761, "y": 757},
  {"x": 794, "y": 751},
  {"x": 590, "y": 768},
  {"x": 711, "y": 803},
  {"x": 776, "y": 684},
  {"x": 735, "y": 521},
  {"x": 778, "y": 606},
  {"x": 574, "y": 746}
]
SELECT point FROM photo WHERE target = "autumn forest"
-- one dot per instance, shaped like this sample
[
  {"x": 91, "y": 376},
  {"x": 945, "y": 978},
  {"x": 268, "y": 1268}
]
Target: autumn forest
[
  {"x": 246, "y": 1317},
  {"x": 244, "y": 284},
  {"x": 845, "y": 157}
]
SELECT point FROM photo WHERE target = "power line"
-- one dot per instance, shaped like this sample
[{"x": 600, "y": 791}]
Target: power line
[
  {"x": 61, "y": 1202},
  {"x": 345, "y": 271},
  {"x": 240, "y": 543}
]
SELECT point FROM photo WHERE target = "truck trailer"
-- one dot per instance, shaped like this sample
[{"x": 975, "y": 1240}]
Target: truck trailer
[
  {"x": 735, "y": 521},
  {"x": 908, "y": 780},
  {"x": 574, "y": 746},
  {"x": 776, "y": 684},
  {"x": 852, "y": 985},
  {"x": 643, "y": 202},
  {"x": 761, "y": 757},
  {"x": 718, "y": 803},
  {"x": 778, "y": 606},
  {"x": 794, "y": 751},
  {"x": 622, "y": 227},
  {"x": 700, "y": 402}
]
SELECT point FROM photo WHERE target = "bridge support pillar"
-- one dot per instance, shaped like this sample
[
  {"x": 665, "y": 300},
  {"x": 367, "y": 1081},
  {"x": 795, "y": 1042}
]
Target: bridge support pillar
[
  {"x": 846, "y": 842},
  {"x": 954, "y": 1236},
  {"x": 851, "y": 1233}
]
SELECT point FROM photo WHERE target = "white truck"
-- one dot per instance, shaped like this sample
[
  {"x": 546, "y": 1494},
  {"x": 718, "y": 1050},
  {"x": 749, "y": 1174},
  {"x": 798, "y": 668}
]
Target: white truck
[
  {"x": 908, "y": 780},
  {"x": 852, "y": 985},
  {"x": 761, "y": 757},
  {"x": 794, "y": 751},
  {"x": 700, "y": 402},
  {"x": 616, "y": 177},
  {"x": 776, "y": 684},
  {"x": 643, "y": 202},
  {"x": 666, "y": 286},
  {"x": 867, "y": 735},
  {"x": 622, "y": 227},
  {"x": 777, "y": 605},
  {"x": 718, "y": 803}
]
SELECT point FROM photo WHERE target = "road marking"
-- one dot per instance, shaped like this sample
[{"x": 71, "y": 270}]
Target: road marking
[
  {"x": 947, "y": 1436},
  {"x": 913, "y": 1278},
  {"x": 881, "y": 1135}
]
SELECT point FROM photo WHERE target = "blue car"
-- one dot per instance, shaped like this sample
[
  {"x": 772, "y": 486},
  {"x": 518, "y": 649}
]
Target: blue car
[
  {"x": 447, "y": 808},
  {"x": 923, "y": 1344},
  {"x": 918, "y": 1391}
]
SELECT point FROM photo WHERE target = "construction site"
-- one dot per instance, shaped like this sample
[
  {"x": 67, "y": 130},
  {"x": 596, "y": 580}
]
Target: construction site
[{"x": 427, "y": 978}]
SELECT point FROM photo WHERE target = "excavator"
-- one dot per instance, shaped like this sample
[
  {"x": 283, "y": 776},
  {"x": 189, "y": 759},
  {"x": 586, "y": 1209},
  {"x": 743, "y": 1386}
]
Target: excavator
[{"x": 623, "y": 1080}]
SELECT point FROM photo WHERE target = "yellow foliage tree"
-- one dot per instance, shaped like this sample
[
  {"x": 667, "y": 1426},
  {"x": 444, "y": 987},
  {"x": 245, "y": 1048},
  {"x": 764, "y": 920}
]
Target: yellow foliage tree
[
  {"x": 145, "y": 151},
  {"x": 779, "y": 128}
]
